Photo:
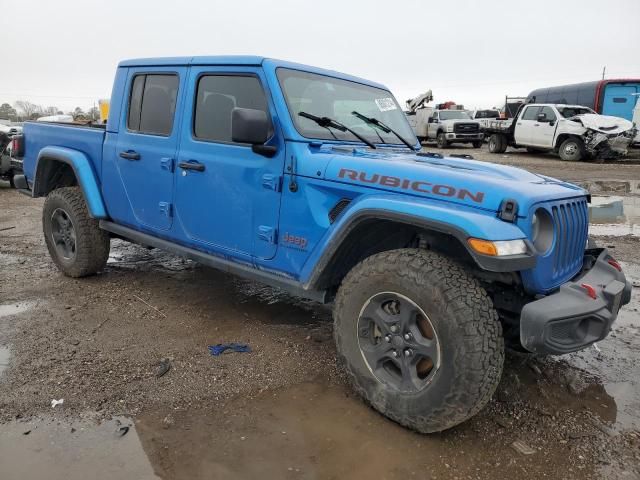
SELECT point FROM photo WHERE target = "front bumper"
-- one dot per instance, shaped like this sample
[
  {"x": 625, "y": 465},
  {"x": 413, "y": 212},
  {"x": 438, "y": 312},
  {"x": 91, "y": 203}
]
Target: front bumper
[
  {"x": 464, "y": 137},
  {"x": 570, "y": 320}
]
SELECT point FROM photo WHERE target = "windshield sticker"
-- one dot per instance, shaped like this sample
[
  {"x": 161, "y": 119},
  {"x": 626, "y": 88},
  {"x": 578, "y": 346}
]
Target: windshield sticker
[{"x": 386, "y": 104}]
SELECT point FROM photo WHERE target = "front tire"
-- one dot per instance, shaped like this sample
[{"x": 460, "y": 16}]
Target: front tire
[
  {"x": 440, "y": 323},
  {"x": 441, "y": 140},
  {"x": 76, "y": 243},
  {"x": 572, "y": 150}
]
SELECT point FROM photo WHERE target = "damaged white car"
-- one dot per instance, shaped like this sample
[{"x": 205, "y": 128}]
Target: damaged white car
[{"x": 573, "y": 131}]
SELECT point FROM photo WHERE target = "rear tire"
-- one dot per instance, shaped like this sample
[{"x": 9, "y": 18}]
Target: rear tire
[
  {"x": 497, "y": 143},
  {"x": 77, "y": 245},
  {"x": 572, "y": 150},
  {"x": 441, "y": 140},
  {"x": 461, "y": 330}
]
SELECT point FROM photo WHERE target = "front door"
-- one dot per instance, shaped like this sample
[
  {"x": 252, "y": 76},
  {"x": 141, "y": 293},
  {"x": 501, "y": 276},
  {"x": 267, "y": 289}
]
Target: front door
[
  {"x": 542, "y": 133},
  {"x": 525, "y": 125},
  {"x": 227, "y": 196},
  {"x": 147, "y": 143}
]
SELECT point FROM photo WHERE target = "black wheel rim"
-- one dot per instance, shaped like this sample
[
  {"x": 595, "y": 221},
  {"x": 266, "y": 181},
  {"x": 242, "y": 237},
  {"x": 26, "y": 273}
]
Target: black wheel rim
[
  {"x": 398, "y": 342},
  {"x": 63, "y": 234}
]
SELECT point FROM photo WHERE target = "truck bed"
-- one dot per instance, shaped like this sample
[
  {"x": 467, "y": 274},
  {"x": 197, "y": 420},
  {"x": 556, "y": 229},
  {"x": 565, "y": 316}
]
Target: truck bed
[{"x": 87, "y": 139}]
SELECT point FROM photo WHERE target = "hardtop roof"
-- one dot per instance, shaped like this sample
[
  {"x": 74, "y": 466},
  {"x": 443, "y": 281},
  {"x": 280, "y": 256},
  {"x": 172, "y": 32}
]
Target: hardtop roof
[{"x": 241, "y": 60}]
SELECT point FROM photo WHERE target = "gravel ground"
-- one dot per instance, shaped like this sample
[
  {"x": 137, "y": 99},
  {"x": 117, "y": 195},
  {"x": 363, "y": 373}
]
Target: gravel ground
[{"x": 103, "y": 344}]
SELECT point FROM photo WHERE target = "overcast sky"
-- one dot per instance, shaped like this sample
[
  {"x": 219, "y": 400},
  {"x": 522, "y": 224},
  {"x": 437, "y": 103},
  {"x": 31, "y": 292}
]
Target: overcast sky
[{"x": 64, "y": 52}]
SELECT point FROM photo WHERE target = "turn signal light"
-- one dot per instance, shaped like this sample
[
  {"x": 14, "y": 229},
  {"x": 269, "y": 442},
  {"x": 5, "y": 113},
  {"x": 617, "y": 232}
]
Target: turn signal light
[{"x": 483, "y": 246}]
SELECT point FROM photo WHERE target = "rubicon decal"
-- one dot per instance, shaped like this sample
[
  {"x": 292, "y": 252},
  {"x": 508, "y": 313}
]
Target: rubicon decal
[{"x": 415, "y": 185}]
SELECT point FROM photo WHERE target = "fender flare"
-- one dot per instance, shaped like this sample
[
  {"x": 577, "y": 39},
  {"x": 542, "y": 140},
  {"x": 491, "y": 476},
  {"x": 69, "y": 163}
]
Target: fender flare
[
  {"x": 83, "y": 171},
  {"x": 459, "y": 222}
]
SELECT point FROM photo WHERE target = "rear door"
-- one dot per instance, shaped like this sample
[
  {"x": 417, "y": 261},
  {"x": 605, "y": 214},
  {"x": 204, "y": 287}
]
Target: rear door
[
  {"x": 543, "y": 132},
  {"x": 525, "y": 125},
  {"x": 228, "y": 196},
  {"x": 619, "y": 100},
  {"x": 147, "y": 143}
]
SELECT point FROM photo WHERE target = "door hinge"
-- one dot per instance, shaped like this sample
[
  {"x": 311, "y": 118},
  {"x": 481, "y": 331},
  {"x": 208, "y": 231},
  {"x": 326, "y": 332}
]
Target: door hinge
[
  {"x": 165, "y": 207},
  {"x": 267, "y": 233},
  {"x": 272, "y": 182},
  {"x": 508, "y": 210},
  {"x": 167, "y": 164}
]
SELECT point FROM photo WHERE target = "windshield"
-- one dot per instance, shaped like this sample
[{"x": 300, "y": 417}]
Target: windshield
[
  {"x": 454, "y": 115},
  {"x": 568, "y": 112},
  {"x": 324, "y": 96}
]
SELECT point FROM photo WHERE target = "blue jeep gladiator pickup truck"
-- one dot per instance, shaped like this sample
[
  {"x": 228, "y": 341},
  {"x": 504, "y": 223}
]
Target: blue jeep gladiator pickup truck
[{"x": 313, "y": 181}]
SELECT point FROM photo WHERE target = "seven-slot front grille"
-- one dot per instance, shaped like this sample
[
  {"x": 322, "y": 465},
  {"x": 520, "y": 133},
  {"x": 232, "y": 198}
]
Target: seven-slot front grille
[{"x": 571, "y": 224}]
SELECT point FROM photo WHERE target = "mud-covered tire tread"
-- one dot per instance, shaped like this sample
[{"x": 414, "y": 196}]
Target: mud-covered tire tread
[
  {"x": 482, "y": 364},
  {"x": 92, "y": 243}
]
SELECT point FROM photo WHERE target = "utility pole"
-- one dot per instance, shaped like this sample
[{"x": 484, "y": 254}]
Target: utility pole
[{"x": 604, "y": 69}]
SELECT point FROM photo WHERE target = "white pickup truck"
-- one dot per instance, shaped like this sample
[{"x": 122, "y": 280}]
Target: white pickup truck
[
  {"x": 573, "y": 131},
  {"x": 445, "y": 126}
]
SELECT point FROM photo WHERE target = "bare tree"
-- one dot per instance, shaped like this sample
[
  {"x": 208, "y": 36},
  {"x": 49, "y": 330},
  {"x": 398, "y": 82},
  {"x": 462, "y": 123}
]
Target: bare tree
[
  {"x": 8, "y": 112},
  {"x": 94, "y": 114},
  {"x": 51, "y": 111},
  {"x": 28, "y": 109}
]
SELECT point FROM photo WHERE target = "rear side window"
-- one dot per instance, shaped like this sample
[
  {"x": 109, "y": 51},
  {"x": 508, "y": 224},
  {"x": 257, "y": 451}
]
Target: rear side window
[
  {"x": 531, "y": 113},
  {"x": 152, "y": 104},
  {"x": 217, "y": 96}
]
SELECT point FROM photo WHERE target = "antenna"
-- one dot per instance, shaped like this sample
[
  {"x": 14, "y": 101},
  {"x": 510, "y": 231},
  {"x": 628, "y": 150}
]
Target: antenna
[{"x": 604, "y": 69}]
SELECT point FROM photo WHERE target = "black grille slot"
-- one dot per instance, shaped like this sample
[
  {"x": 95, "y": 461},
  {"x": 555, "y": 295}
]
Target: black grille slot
[
  {"x": 337, "y": 209},
  {"x": 466, "y": 127}
]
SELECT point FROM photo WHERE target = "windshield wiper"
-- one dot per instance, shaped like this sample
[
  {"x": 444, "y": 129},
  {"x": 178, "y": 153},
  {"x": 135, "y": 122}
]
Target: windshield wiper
[
  {"x": 385, "y": 128},
  {"x": 327, "y": 122}
]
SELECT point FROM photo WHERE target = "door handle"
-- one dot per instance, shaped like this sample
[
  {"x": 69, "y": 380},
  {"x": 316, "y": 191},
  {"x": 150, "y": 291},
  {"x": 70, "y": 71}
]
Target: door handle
[
  {"x": 130, "y": 155},
  {"x": 197, "y": 166}
]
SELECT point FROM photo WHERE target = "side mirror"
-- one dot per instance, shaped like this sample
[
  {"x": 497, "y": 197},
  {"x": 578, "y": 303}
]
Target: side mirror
[
  {"x": 542, "y": 118},
  {"x": 253, "y": 127},
  {"x": 249, "y": 126}
]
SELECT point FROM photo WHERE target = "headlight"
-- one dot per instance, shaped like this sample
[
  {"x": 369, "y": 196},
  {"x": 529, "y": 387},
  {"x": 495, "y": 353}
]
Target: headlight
[
  {"x": 542, "y": 231},
  {"x": 498, "y": 249},
  {"x": 449, "y": 128}
]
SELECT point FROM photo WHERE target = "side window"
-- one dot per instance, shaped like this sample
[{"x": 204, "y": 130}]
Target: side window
[
  {"x": 531, "y": 113},
  {"x": 217, "y": 96},
  {"x": 548, "y": 111},
  {"x": 135, "y": 103},
  {"x": 152, "y": 104}
]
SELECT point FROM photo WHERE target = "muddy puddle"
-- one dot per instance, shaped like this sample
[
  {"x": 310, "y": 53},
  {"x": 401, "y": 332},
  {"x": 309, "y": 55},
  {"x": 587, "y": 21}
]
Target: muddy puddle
[
  {"x": 10, "y": 309},
  {"x": 7, "y": 311},
  {"x": 5, "y": 355},
  {"x": 615, "y": 216},
  {"x": 54, "y": 449},
  {"x": 615, "y": 207}
]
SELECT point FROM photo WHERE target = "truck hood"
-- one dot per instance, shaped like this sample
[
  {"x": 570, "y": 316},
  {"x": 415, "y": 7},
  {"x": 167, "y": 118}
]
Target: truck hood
[
  {"x": 461, "y": 181},
  {"x": 603, "y": 123}
]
